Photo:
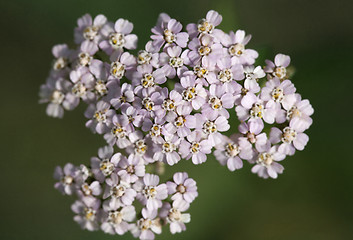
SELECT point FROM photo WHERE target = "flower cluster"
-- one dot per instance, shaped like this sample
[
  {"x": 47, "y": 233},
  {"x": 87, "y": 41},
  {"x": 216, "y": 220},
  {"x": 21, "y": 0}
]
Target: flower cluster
[
  {"x": 172, "y": 101},
  {"x": 109, "y": 190}
]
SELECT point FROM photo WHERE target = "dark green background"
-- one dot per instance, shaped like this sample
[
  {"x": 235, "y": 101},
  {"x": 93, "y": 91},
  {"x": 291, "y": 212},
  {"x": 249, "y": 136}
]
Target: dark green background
[{"x": 311, "y": 200}]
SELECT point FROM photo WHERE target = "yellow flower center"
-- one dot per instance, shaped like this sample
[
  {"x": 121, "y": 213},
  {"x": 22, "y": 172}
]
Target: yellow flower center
[
  {"x": 200, "y": 71},
  {"x": 280, "y": 72},
  {"x": 236, "y": 49},
  {"x": 232, "y": 150},
  {"x": 144, "y": 57},
  {"x": 265, "y": 159},
  {"x": 140, "y": 147},
  {"x": 147, "y": 80},
  {"x": 90, "y": 32},
  {"x": 277, "y": 94},
  {"x": 169, "y": 36},
  {"x": 60, "y": 63},
  {"x": 288, "y": 135},
  {"x": 117, "y": 69},
  {"x": 57, "y": 97},
  {"x": 89, "y": 214},
  {"x": 106, "y": 167},
  {"x": 204, "y": 50},
  {"x": 189, "y": 94},
  {"x": 148, "y": 104},
  {"x": 115, "y": 217},
  {"x": 257, "y": 110},
  {"x": 215, "y": 103},
  {"x": 209, "y": 127},
  {"x": 116, "y": 40},
  {"x": 204, "y": 26},
  {"x": 84, "y": 59},
  {"x": 225, "y": 75},
  {"x": 176, "y": 62}
]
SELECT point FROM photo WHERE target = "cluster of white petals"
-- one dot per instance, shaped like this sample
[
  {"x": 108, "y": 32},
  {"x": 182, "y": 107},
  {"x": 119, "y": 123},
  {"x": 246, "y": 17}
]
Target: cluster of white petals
[{"x": 175, "y": 99}]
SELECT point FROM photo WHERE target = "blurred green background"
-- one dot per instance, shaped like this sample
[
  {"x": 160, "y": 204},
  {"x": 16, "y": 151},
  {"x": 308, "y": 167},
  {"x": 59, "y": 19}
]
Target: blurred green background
[{"x": 311, "y": 200}]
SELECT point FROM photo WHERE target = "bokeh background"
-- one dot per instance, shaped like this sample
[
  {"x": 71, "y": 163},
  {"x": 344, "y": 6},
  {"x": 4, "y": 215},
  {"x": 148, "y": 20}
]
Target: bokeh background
[{"x": 311, "y": 200}]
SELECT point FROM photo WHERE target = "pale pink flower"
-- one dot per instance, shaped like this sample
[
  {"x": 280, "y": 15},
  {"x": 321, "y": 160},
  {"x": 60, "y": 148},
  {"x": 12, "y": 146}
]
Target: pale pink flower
[
  {"x": 231, "y": 152},
  {"x": 131, "y": 168},
  {"x": 66, "y": 177},
  {"x": 151, "y": 193},
  {"x": 116, "y": 221},
  {"x": 87, "y": 211},
  {"x": 267, "y": 163},
  {"x": 235, "y": 44},
  {"x": 118, "y": 37},
  {"x": 278, "y": 68},
  {"x": 147, "y": 226},
  {"x": 173, "y": 61},
  {"x": 298, "y": 112},
  {"x": 206, "y": 25},
  {"x": 167, "y": 150},
  {"x": 169, "y": 33},
  {"x": 105, "y": 164},
  {"x": 100, "y": 116},
  {"x": 175, "y": 216},
  {"x": 195, "y": 147},
  {"x": 291, "y": 138},
  {"x": 120, "y": 192},
  {"x": 88, "y": 29},
  {"x": 212, "y": 127},
  {"x": 183, "y": 188}
]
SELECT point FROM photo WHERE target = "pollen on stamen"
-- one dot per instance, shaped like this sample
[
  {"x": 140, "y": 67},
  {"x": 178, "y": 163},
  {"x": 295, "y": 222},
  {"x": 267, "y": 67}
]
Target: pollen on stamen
[
  {"x": 176, "y": 62},
  {"x": 57, "y": 97},
  {"x": 236, "y": 49},
  {"x": 168, "y": 104},
  {"x": 265, "y": 159},
  {"x": 288, "y": 135},
  {"x": 225, "y": 75},
  {"x": 204, "y": 26},
  {"x": 209, "y": 127},
  {"x": 90, "y": 32},
  {"x": 200, "y": 72},
  {"x": 117, "y": 69},
  {"x": 189, "y": 94},
  {"x": 116, "y": 40},
  {"x": 144, "y": 57},
  {"x": 257, "y": 110}
]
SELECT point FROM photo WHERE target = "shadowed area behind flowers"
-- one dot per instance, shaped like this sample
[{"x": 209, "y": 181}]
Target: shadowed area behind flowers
[{"x": 311, "y": 200}]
